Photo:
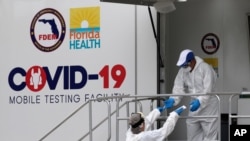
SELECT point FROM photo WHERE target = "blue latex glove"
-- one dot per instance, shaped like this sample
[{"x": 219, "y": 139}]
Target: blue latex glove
[
  {"x": 161, "y": 109},
  {"x": 180, "y": 110},
  {"x": 194, "y": 105},
  {"x": 169, "y": 103}
]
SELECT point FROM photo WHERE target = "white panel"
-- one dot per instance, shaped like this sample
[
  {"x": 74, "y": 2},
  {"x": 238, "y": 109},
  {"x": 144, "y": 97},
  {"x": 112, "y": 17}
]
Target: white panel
[
  {"x": 31, "y": 119},
  {"x": 243, "y": 104}
]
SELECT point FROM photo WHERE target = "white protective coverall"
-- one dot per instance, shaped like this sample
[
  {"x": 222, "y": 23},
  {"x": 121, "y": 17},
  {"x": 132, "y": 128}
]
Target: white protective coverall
[
  {"x": 201, "y": 80},
  {"x": 154, "y": 135}
]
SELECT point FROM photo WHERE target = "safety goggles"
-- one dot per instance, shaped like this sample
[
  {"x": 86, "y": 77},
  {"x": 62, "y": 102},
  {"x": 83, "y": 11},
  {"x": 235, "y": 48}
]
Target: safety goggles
[{"x": 186, "y": 64}]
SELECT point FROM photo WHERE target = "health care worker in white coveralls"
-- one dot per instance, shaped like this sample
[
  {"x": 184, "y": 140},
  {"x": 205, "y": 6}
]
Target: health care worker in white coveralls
[
  {"x": 140, "y": 126},
  {"x": 196, "y": 76}
]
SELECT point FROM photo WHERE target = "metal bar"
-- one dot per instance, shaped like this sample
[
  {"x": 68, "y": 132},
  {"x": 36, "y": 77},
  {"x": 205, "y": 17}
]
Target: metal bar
[
  {"x": 143, "y": 97},
  {"x": 151, "y": 108},
  {"x": 162, "y": 95},
  {"x": 109, "y": 121},
  {"x": 240, "y": 116},
  {"x": 128, "y": 113},
  {"x": 219, "y": 117},
  {"x": 136, "y": 53},
  {"x": 100, "y": 123},
  {"x": 170, "y": 94},
  {"x": 117, "y": 121},
  {"x": 62, "y": 122},
  {"x": 132, "y": 2},
  {"x": 165, "y": 117},
  {"x": 90, "y": 121},
  {"x": 229, "y": 114},
  {"x": 140, "y": 105}
]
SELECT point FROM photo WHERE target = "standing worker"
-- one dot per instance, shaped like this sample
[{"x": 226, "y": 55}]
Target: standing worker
[
  {"x": 140, "y": 126},
  {"x": 196, "y": 76}
]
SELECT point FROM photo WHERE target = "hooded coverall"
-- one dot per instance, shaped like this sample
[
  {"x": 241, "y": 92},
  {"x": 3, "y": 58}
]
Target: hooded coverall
[
  {"x": 154, "y": 135},
  {"x": 200, "y": 80}
]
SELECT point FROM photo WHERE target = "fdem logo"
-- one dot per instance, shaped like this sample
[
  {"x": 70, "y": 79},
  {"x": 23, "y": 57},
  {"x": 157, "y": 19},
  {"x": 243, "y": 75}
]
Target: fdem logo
[
  {"x": 85, "y": 28},
  {"x": 47, "y": 30}
]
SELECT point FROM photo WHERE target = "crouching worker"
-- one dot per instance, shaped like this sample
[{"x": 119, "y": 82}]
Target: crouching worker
[{"x": 140, "y": 126}]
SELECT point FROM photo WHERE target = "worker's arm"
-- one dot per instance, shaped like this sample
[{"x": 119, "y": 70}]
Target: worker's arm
[{"x": 151, "y": 118}]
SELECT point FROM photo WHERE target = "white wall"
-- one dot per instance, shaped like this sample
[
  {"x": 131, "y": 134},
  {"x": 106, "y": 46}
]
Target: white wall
[
  {"x": 126, "y": 39},
  {"x": 227, "y": 18}
]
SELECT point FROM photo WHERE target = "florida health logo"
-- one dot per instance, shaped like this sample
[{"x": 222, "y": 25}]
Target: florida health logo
[
  {"x": 84, "y": 28},
  {"x": 47, "y": 30}
]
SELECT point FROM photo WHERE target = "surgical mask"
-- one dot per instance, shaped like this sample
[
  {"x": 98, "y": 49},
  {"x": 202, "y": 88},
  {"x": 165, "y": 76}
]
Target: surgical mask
[{"x": 187, "y": 69}]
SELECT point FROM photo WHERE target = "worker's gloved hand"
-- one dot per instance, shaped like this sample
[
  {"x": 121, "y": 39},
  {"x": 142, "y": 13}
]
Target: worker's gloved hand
[
  {"x": 194, "y": 105},
  {"x": 180, "y": 110},
  {"x": 161, "y": 109},
  {"x": 169, "y": 103}
]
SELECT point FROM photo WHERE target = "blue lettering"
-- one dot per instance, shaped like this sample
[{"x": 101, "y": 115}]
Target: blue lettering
[
  {"x": 74, "y": 77},
  {"x": 12, "y": 74},
  {"x": 83, "y": 72},
  {"x": 85, "y": 44}
]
